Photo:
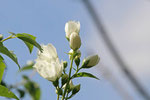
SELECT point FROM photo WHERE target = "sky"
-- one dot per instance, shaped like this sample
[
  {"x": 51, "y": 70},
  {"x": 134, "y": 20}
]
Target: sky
[{"x": 126, "y": 21}]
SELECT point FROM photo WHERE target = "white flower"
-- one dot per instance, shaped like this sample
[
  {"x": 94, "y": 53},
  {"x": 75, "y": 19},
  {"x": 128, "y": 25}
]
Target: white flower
[
  {"x": 48, "y": 64},
  {"x": 75, "y": 41},
  {"x": 92, "y": 61},
  {"x": 70, "y": 27}
]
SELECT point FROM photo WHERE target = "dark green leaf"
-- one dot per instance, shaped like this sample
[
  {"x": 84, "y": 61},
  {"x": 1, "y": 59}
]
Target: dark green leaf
[
  {"x": 25, "y": 77},
  {"x": 29, "y": 41},
  {"x": 2, "y": 68},
  {"x": 5, "y": 92},
  {"x": 76, "y": 89},
  {"x": 84, "y": 74},
  {"x": 1, "y": 58},
  {"x": 21, "y": 93},
  {"x": 3, "y": 83},
  {"x": 6, "y": 52}
]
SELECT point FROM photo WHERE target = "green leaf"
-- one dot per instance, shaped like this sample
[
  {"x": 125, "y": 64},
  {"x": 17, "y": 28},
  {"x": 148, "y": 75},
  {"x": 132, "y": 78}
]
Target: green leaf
[
  {"x": 8, "y": 53},
  {"x": 76, "y": 89},
  {"x": 32, "y": 88},
  {"x": 5, "y": 92},
  {"x": 29, "y": 40},
  {"x": 1, "y": 58},
  {"x": 2, "y": 68},
  {"x": 21, "y": 93},
  {"x": 84, "y": 74}
]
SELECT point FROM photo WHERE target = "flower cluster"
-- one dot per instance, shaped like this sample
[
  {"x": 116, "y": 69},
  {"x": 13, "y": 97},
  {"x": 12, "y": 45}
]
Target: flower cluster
[{"x": 49, "y": 67}]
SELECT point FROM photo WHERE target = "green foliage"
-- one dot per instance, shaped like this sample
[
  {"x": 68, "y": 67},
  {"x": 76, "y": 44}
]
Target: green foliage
[
  {"x": 21, "y": 92},
  {"x": 65, "y": 89},
  {"x": 29, "y": 87},
  {"x": 32, "y": 88},
  {"x": 76, "y": 89},
  {"x": 6, "y": 52},
  {"x": 1, "y": 58},
  {"x": 84, "y": 74},
  {"x": 5, "y": 92},
  {"x": 29, "y": 45},
  {"x": 29, "y": 40},
  {"x": 2, "y": 68}
]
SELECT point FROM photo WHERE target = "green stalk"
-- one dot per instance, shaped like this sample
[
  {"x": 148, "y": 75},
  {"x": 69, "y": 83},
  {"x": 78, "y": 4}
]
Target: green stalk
[
  {"x": 67, "y": 96},
  {"x": 10, "y": 37},
  {"x": 57, "y": 96},
  {"x": 63, "y": 97}
]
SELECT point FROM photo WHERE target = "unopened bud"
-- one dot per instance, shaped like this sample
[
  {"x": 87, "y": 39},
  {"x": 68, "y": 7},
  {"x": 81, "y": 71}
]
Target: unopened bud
[
  {"x": 75, "y": 41},
  {"x": 77, "y": 60},
  {"x": 65, "y": 64},
  {"x": 71, "y": 86},
  {"x": 59, "y": 91},
  {"x": 90, "y": 61}
]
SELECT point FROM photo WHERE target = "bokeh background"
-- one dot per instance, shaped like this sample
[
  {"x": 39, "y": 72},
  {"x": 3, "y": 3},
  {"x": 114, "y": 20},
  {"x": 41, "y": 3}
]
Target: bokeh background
[{"x": 126, "y": 23}]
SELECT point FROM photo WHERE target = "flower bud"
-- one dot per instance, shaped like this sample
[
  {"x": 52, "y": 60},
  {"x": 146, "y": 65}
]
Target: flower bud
[
  {"x": 75, "y": 41},
  {"x": 78, "y": 53},
  {"x": 71, "y": 27},
  {"x": 71, "y": 86},
  {"x": 90, "y": 61},
  {"x": 59, "y": 91},
  {"x": 65, "y": 64},
  {"x": 1, "y": 37},
  {"x": 77, "y": 60}
]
